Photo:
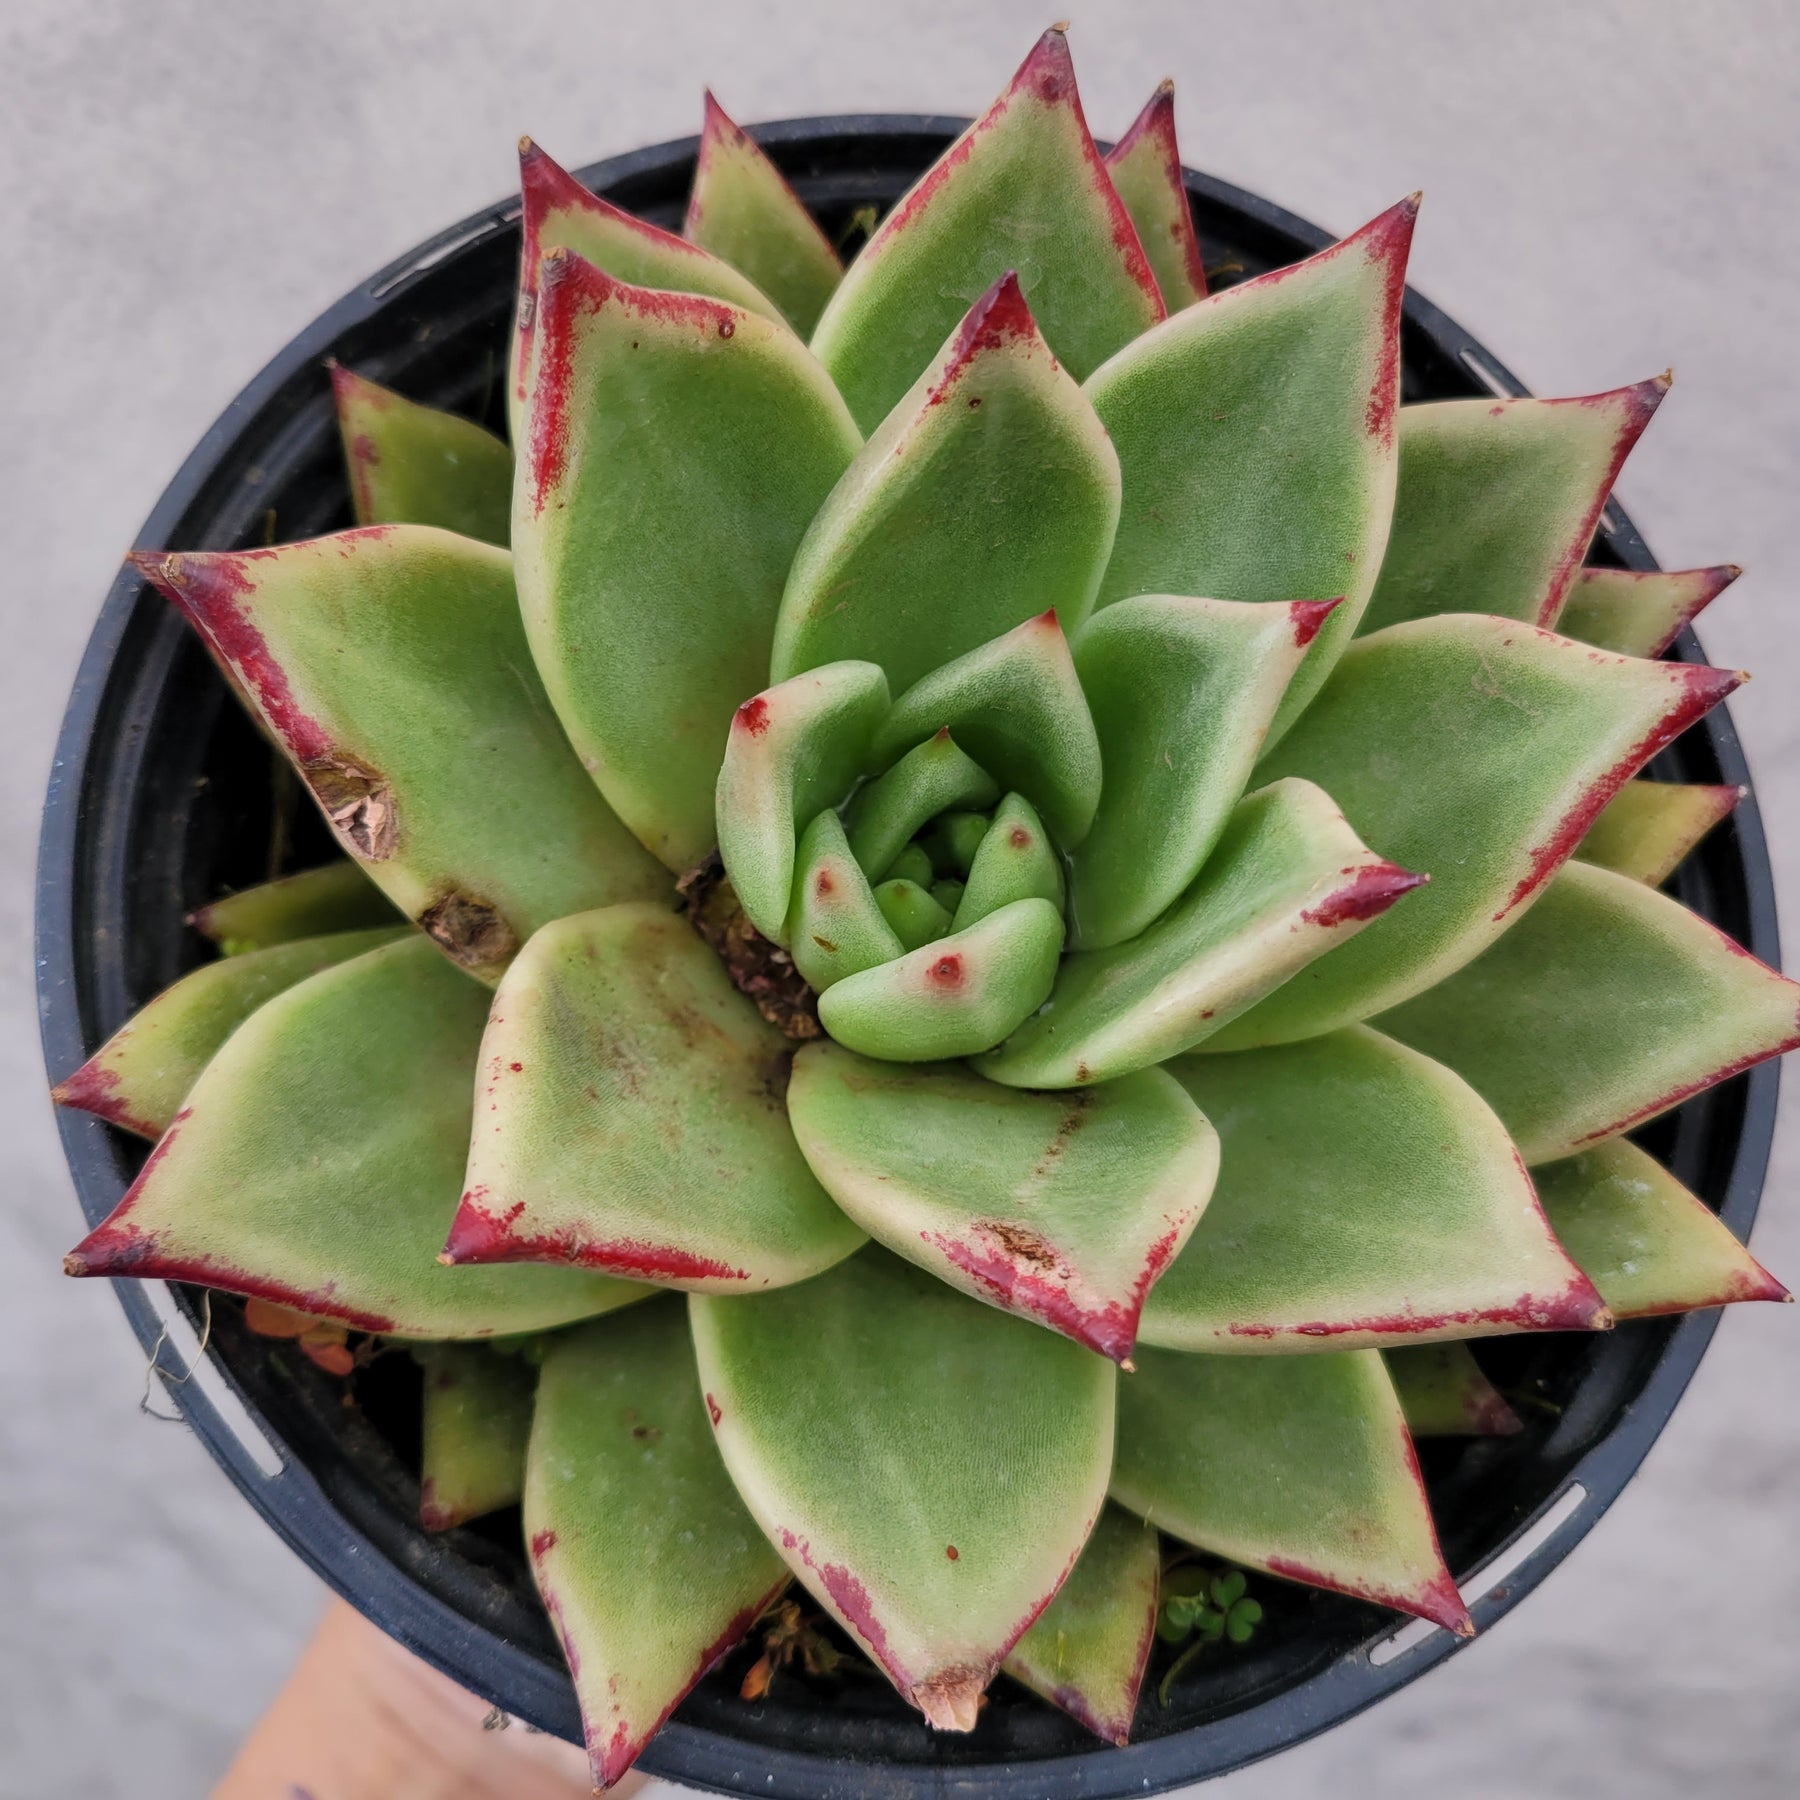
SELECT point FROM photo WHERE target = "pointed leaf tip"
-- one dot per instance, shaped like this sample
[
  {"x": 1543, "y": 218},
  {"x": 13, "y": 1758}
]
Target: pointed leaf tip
[{"x": 1309, "y": 616}]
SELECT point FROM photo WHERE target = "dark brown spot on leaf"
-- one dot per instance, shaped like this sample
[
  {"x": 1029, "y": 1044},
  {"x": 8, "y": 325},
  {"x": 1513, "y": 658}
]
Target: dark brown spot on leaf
[
  {"x": 359, "y": 804},
  {"x": 470, "y": 931}
]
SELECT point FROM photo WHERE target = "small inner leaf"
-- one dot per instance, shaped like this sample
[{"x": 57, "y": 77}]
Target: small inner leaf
[
  {"x": 955, "y": 997},
  {"x": 792, "y": 749},
  {"x": 1017, "y": 706},
  {"x": 936, "y": 777}
]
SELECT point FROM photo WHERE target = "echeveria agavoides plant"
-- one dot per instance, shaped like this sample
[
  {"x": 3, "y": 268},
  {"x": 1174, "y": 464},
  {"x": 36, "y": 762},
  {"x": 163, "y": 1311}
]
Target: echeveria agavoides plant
[{"x": 1022, "y": 835}]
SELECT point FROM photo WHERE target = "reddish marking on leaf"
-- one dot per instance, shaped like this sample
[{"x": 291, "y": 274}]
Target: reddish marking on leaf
[
  {"x": 478, "y": 1235},
  {"x": 569, "y": 289},
  {"x": 542, "y": 1543},
  {"x": 516, "y": 1068},
  {"x": 1046, "y": 77},
  {"x": 1635, "y": 406},
  {"x": 1309, "y": 617},
  {"x": 946, "y": 972},
  {"x": 91, "y": 1089},
  {"x": 1689, "y": 1089},
  {"x": 952, "y": 1552},
  {"x": 824, "y": 885},
  {"x": 1019, "y": 838},
  {"x": 119, "y": 1247},
  {"x": 849, "y": 1599},
  {"x": 1154, "y": 129},
  {"x": 546, "y": 188},
  {"x": 1386, "y": 241},
  {"x": 713, "y": 1410},
  {"x": 1701, "y": 689},
  {"x": 1698, "y": 588},
  {"x": 1000, "y": 317},
  {"x": 753, "y": 716},
  {"x": 1032, "y": 1278},
  {"x": 435, "y": 1514},
  {"x": 1369, "y": 893},
  {"x": 212, "y": 590},
  {"x": 1575, "y": 1307},
  {"x": 627, "y": 1744},
  {"x": 1436, "y": 1599}
]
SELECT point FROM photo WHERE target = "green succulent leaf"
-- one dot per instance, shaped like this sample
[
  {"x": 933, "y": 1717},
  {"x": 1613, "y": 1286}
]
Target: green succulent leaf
[
  {"x": 139, "y": 1077},
  {"x": 933, "y": 1475},
  {"x": 1648, "y": 828},
  {"x": 1480, "y": 751},
  {"x": 1022, "y": 189},
  {"x": 1297, "y": 1465},
  {"x": 430, "y": 747},
  {"x": 914, "y": 865},
  {"x": 914, "y": 915},
  {"x": 1089, "y": 1647},
  {"x": 1063, "y": 1208},
  {"x": 1604, "y": 1006},
  {"x": 630, "y": 1118},
  {"x": 1443, "y": 1393},
  {"x": 560, "y": 214},
  {"x": 476, "y": 1420},
  {"x": 649, "y": 584},
  {"x": 955, "y": 840},
  {"x": 1014, "y": 861},
  {"x": 1288, "y": 881},
  {"x": 936, "y": 777},
  {"x": 987, "y": 495},
  {"x": 1639, "y": 612},
  {"x": 1649, "y": 1245},
  {"x": 955, "y": 997},
  {"x": 1182, "y": 692},
  {"x": 835, "y": 925},
  {"x": 742, "y": 210},
  {"x": 1016, "y": 704},
  {"x": 413, "y": 465},
  {"x": 1497, "y": 500},
  {"x": 1145, "y": 167},
  {"x": 317, "y": 1161},
  {"x": 338, "y": 896},
  {"x": 647, "y": 1561},
  {"x": 792, "y": 750},
  {"x": 1367, "y": 1196},
  {"x": 1255, "y": 434}
]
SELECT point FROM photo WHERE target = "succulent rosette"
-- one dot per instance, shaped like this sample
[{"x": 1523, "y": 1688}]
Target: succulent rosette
[{"x": 1063, "y": 868}]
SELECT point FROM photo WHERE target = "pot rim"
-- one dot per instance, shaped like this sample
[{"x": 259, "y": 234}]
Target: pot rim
[{"x": 293, "y": 1503}]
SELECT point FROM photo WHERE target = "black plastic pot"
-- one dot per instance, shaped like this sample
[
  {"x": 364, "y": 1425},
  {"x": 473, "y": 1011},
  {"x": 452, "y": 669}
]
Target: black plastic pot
[{"x": 163, "y": 796}]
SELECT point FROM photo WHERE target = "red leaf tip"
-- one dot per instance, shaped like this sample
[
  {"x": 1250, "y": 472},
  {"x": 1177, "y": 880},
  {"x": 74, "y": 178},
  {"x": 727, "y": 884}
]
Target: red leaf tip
[
  {"x": 1369, "y": 892},
  {"x": 1309, "y": 617},
  {"x": 1048, "y": 73}
]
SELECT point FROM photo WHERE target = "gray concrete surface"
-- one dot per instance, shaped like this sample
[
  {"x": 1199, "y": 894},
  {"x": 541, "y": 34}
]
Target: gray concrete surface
[{"x": 182, "y": 186}]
